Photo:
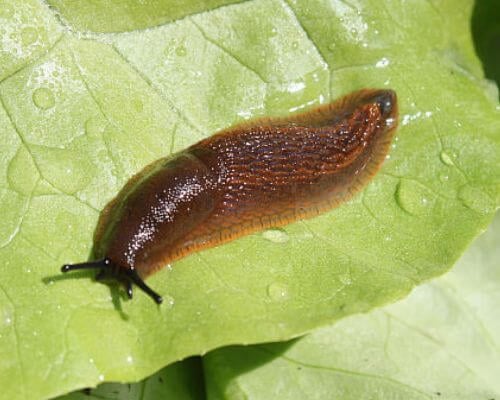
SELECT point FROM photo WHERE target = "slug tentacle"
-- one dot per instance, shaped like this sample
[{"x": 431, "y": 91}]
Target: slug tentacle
[
  {"x": 97, "y": 264},
  {"x": 135, "y": 278},
  {"x": 110, "y": 269}
]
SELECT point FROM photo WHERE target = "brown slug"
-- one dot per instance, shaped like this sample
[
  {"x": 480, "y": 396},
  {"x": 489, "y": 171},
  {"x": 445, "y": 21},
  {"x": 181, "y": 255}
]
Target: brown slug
[{"x": 253, "y": 176}]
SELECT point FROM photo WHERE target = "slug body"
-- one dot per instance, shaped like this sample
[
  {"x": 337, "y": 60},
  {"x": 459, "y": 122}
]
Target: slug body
[{"x": 257, "y": 175}]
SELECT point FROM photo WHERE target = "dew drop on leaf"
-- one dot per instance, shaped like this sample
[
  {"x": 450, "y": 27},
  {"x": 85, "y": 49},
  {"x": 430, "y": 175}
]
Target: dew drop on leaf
[
  {"x": 67, "y": 170},
  {"x": 7, "y": 319},
  {"x": 277, "y": 291},
  {"x": 181, "y": 51},
  {"x": 22, "y": 174},
  {"x": 29, "y": 36},
  {"x": 168, "y": 301},
  {"x": 43, "y": 98},
  {"x": 276, "y": 236},
  {"x": 412, "y": 197},
  {"x": 443, "y": 177},
  {"x": 447, "y": 157},
  {"x": 346, "y": 279}
]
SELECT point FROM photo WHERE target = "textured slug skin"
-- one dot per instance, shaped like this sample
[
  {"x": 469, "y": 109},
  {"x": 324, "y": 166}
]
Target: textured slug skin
[{"x": 262, "y": 174}]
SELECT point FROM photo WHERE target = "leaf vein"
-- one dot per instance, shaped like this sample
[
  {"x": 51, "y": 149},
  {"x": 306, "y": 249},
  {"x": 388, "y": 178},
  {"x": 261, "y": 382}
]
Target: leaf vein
[
  {"x": 348, "y": 372},
  {"x": 228, "y": 52},
  {"x": 156, "y": 89}
]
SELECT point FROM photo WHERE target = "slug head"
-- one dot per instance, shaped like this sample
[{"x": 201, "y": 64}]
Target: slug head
[{"x": 108, "y": 269}]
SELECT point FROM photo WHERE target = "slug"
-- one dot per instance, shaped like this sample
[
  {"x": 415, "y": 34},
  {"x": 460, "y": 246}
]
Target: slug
[{"x": 256, "y": 175}]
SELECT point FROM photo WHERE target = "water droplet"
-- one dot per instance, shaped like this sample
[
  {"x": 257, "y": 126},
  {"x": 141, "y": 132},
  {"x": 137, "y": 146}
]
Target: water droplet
[
  {"x": 101, "y": 377},
  {"x": 273, "y": 32},
  {"x": 332, "y": 46},
  {"x": 443, "y": 177},
  {"x": 130, "y": 359},
  {"x": 29, "y": 36},
  {"x": 294, "y": 87},
  {"x": 168, "y": 301},
  {"x": 8, "y": 321},
  {"x": 69, "y": 170},
  {"x": 476, "y": 199},
  {"x": 382, "y": 63},
  {"x": 94, "y": 125},
  {"x": 413, "y": 197},
  {"x": 276, "y": 236},
  {"x": 246, "y": 114},
  {"x": 91, "y": 360},
  {"x": 345, "y": 279},
  {"x": 181, "y": 50},
  {"x": 277, "y": 291},
  {"x": 43, "y": 98},
  {"x": 22, "y": 174},
  {"x": 447, "y": 157},
  {"x": 295, "y": 45}
]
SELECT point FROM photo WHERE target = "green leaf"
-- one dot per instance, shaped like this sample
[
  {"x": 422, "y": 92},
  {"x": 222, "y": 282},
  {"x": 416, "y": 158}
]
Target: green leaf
[
  {"x": 179, "y": 381},
  {"x": 81, "y": 111},
  {"x": 127, "y": 15},
  {"x": 442, "y": 342},
  {"x": 485, "y": 26}
]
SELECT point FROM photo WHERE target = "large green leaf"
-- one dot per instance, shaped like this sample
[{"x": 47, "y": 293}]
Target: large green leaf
[
  {"x": 414, "y": 349},
  {"x": 442, "y": 342},
  {"x": 81, "y": 111}
]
